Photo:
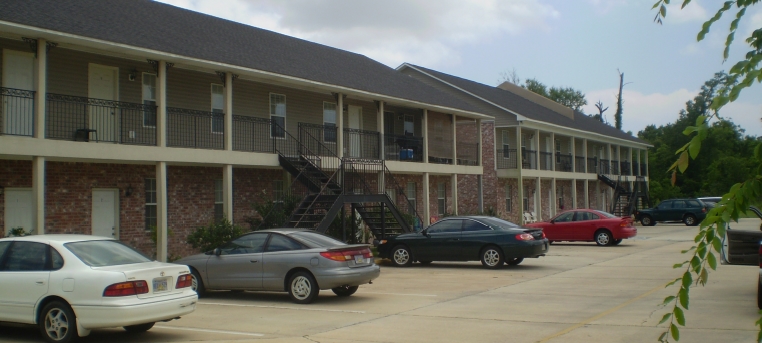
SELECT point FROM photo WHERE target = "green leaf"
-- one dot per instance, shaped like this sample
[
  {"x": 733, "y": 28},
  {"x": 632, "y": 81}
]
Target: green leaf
[
  {"x": 679, "y": 265},
  {"x": 690, "y": 129},
  {"x": 695, "y": 263},
  {"x": 717, "y": 245},
  {"x": 665, "y": 317},
  {"x": 675, "y": 332},
  {"x": 682, "y": 162},
  {"x": 668, "y": 300},
  {"x": 680, "y": 316},
  {"x": 663, "y": 337},
  {"x": 712, "y": 261},
  {"x": 673, "y": 282},
  {"x": 685, "y": 251},
  {"x": 703, "y": 277},
  {"x": 700, "y": 120},
  {"x": 684, "y": 298},
  {"x": 663, "y": 11}
]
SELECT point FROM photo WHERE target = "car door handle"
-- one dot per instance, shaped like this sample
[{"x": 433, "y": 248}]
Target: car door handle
[
  {"x": 253, "y": 261},
  {"x": 40, "y": 282}
]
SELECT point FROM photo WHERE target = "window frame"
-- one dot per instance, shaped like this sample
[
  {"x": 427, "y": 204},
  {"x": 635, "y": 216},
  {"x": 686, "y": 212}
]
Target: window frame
[
  {"x": 221, "y": 110},
  {"x": 506, "y": 146},
  {"x": 406, "y": 121},
  {"x": 411, "y": 201},
  {"x": 273, "y": 235},
  {"x": 143, "y": 98},
  {"x": 508, "y": 202},
  {"x": 284, "y": 116},
  {"x": 441, "y": 196},
  {"x": 219, "y": 200},
  {"x": 326, "y": 123},
  {"x": 147, "y": 182}
]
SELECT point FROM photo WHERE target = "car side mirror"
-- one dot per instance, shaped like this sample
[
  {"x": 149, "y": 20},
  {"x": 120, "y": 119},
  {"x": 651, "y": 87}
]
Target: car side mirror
[
  {"x": 217, "y": 252},
  {"x": 552, "y": 221},
  {"x": 425, "y": 233}
]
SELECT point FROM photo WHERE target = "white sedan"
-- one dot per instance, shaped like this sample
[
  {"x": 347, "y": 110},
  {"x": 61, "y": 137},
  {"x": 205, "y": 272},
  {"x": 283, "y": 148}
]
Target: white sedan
[{"x": 70, "y": 284}]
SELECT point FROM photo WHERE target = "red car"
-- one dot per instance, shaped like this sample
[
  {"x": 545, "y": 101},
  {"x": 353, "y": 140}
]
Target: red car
[{"x": 587, "y": 226}]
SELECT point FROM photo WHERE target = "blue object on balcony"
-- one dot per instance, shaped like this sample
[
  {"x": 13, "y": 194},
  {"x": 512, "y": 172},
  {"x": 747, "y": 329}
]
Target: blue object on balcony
[{"x": 406, "y": 154}]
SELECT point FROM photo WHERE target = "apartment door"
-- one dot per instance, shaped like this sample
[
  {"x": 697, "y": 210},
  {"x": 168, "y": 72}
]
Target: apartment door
[
  {"x": 354, "y": 139},
  {"x": 18, "y": 73},
  {"x": 102, "y": 84},
  {"x": 19, "y": 210},
  {"x": 105, "y": 209}
]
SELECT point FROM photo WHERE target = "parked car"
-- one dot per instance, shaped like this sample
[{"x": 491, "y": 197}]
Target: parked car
[
  {"x": 744, "y": 247},
  {"x": 492, "y": 241},
  {"x": 587, "y": 226},
  {"x": 689, "y": 211},
  {"x": 70, "y": 284},
  {"x": 710, "y": 201},
  {"x": 300, "y": 262}
]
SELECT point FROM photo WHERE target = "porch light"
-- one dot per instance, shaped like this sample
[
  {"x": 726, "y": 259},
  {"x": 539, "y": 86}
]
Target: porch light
[
  {"x": 128, "y": 191},
  {"x": 133, "y": 74}
]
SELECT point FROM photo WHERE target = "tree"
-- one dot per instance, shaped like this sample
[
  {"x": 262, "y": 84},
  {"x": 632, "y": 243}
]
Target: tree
[
  {"x": 618, "y": 114},
  {"x": 566, "y": 96},
  {"x": 599, "y": 116},
  {"x": 743, "y": 74}
]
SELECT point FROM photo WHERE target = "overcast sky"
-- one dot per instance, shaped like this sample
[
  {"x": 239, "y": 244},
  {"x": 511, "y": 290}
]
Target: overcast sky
[{"x": 578, "y": 44}]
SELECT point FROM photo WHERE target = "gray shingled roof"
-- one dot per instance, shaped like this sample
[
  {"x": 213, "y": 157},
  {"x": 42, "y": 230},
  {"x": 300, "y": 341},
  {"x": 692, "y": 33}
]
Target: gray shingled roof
[
  {"x": 165, "y": 28},
  {"x": 530, "y": 109}
]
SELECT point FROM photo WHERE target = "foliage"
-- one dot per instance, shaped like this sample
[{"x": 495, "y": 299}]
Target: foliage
[
  {"x": 153, "y": 233},
  {"x": 213, "y": 235},
  {"x": 18, "y": 232},
  {"x": 273, "y": 214},
  {"x": 619, "y": 103},
  {"x": 742, "y": 194},
  {"x": 566, "y": 96}
]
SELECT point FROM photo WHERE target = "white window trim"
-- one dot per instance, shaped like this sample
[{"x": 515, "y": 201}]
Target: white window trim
[
  {"x": 508, "y": 198},
  {"x": 269, "y": 109},
  {"x": 142, "y": 94},
  {"x": 442, "y": 195},
  {"x": 211, "y": 121},
  {"x": 151, "y": 203}
]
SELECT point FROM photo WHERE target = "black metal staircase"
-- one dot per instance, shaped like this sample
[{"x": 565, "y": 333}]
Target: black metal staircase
[{"x": 627, "y": 199}]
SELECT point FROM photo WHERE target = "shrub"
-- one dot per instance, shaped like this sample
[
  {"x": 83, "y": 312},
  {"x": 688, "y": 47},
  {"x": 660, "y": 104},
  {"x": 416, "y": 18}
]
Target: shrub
[
  {"x": 18, "y": 232},
  {"x": 213, "y": 235}
]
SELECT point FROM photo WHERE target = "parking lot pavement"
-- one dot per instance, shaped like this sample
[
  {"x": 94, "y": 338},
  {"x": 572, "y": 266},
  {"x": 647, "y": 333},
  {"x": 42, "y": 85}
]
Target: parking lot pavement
[{"x": 578, "y": 293}]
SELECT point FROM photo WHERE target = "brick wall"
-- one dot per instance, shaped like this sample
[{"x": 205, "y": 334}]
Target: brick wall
[
  {"x": 13, "y": 174},
  {"x": 494, "y": 196}
]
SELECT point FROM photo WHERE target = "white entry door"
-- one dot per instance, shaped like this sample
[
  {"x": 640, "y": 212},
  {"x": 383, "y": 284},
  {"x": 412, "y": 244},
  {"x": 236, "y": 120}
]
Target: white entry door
[
  {"x": 354, "y": 122},
  {"x": 19, "y": 210},
  {"x": 17, "y": 112},
  {"x": 105, "y": 205},
  {"x": 102, "y": 84}
]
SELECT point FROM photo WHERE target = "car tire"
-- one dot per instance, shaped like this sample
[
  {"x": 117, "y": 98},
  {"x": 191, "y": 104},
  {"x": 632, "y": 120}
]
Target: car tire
[
  {"x": 139, "y": 328},
  {"x": 57, "y": 323},
  {"x": 424, "y": 262},
  {"x": 197, "y": 284},
  {"x": 302, "y": 288},
  {"x": 492, "y": 257},
  {"x": 617, "y": 241},
  {"x": 690, "y": 220},
  {"x": 345, "y": 291},
  {"x": 647, "y": 221},
  {"x": 603, "y": 238},
  {"x": 514, "y": 261},
  {"x": 401, "y": 256}
]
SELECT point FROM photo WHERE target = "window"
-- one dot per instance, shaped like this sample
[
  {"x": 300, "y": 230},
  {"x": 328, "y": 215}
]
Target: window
[
  {"x": 278, "y": 115},
  {"x": 278, "y": 191},
  {"x": 3, "y": 247},
  {"x": 218, "y": 108},
  {"x": 526, "y": 199},
  {"x": 678, "y": 204},
  {"x": 282, "y": 243},
  {"x": 409, "y": 125},
  {"x": 561, "y": 202},
  {"x": 471, "y": 225},
  {"x": 149, "y": 99},
  {"x": 441, "y": 198},
  {"x": 506, "y": 145},
  {"x": 508, "y": 198},
  {"x": 150, "y": 203},
  {"x": 218, "y": 200},
  {"x": 57, "y": 261},
  {"x": 446, "y": 226},
  {"x": 104, "y": 253},
  {"x": 26, "y": 256},
  {"x": 410, "y": 193},
  {"x": 329, "y": 122},
  {"x": 564, "y": 217},
  {"x": 391, "y": 193},
  {"x": 249, "y": 244}
]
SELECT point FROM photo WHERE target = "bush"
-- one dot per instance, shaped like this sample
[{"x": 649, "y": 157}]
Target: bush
[
  {"x": 273, "y": 214},
  {"x": 213, "y": 235},
  {"x": 18, "y": 232}
]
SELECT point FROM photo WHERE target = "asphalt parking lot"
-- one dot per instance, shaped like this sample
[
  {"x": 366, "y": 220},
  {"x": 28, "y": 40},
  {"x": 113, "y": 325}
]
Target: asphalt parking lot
[{"x": 578, "y": 293}]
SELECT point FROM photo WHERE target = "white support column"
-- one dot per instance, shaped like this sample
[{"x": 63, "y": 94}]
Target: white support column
[
  {"x": 538, "y": 199},
  {"x": 598, "y": 204},
  {"x": 574, "y": 193},
  {"x": 229, "y": 114},
  {"x": 520, "y": 194},
  {"x": 38, "y": 193},
  {"x": 481, "y": 143},
  {"x": 340, "y": 126},
  {"x": 587, "y": 193},
  {"x": 639, "y": 152},
  {"x": 426, "y": 201},
  {"x": 552, "y": 153},
  {"x": 161, "y": 104},
  {"x": 537, "y": 150},
  {"x": 227, "y": 191},
  {"x": 161, "y": 211},
  {"x": 647, "y": 171},
  {"x": 584, "y": 153},
  {"x": 454, "y": 140},
  {"x": 425, "y": 132},
  {"x": 553, "y": 208},
  {"x": 573, "y": 155},
  {"x": 480, "y": 185},
  {"x": 519, "y": 158},
  {"x": 454, "y": 186},
  {"x": 41, "y": 88},
  {"x": 619, "y": 158},
  {"x": 380, "y": 126}
]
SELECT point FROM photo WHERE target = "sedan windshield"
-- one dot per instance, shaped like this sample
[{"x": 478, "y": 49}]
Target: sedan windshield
[
  {"x": 499, "y": 224},
  {"x": 105, "y": 253},
  {"x": 316, "y": 240}
]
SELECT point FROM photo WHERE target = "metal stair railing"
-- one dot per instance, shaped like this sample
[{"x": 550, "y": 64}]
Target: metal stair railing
[{"x": 390, "y": 180}]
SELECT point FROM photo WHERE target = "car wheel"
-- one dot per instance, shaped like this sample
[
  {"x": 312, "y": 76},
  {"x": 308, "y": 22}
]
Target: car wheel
[
  {"x": 139, "y": 328},
  {"x": 690, "y": 220},
  {"x": 603, "y": 238},
  {"x": 425, "y": 262},
  {"x": 197, "y": 284},
  {"x": 647, "y": 221},
  {"x": 401, "y": 256},
  {"x": 58, "y": 323},
  {"x": 302, "y": 288},
  {"x": 617, "y": 241},
  {"x": 345, "y": 291},
  {"x": 514, "y": 261},
  {"x": 492, "y": 257}
]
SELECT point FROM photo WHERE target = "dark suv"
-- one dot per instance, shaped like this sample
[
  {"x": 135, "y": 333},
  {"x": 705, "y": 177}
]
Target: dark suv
[{"x": 689, "y": 211}]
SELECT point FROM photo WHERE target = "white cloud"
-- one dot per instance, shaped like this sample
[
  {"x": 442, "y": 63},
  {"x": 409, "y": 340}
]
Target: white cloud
[
  {"x": 392, "y": 31},
  {"x": 693, "y": 12},
  {"x": 641, "y": 110},
  {"x": 605, "y": 6}
]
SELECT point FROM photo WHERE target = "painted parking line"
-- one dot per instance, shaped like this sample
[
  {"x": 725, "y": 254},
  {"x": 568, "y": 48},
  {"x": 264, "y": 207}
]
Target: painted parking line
[
  {"x": 280, "y": 307},
  {"x": 403, "y": 294},
  {"x": 209, "y": 331}
]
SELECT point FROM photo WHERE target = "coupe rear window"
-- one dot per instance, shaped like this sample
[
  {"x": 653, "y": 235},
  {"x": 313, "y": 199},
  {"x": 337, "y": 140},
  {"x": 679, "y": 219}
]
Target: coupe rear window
[
  {"x": 606, "y": 214},
  {"x": 105, "y": 253},
  {"x": 499, "y": 224},
  {"x": 316, "y": 240}
]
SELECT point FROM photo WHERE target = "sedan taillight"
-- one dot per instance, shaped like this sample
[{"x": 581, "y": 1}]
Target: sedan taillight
[
  {"x": 524, "y": 237},
  {"x": 184, "y": 281},
  {"x": 346, "y": 255},
  {"x": 126, "y": 288}
]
